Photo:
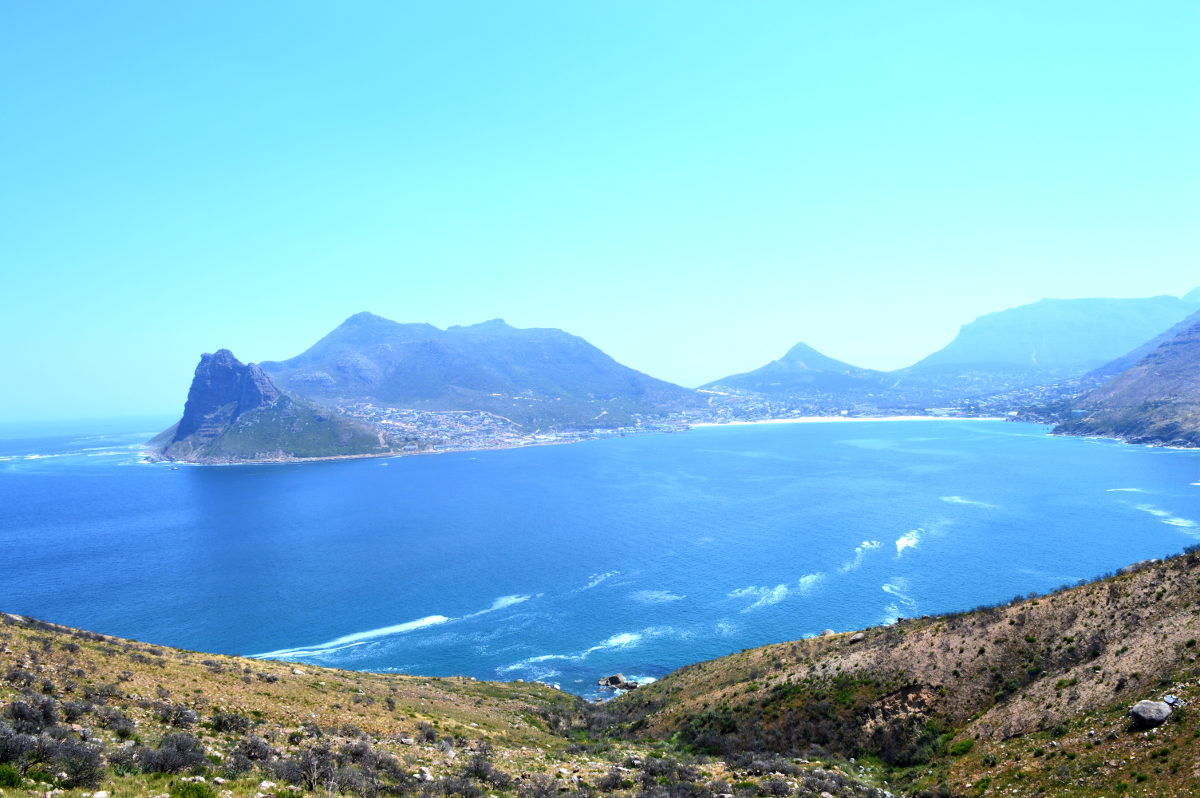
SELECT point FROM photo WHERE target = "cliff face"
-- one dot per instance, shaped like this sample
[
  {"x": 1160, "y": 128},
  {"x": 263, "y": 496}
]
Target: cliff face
[
  {"x": 222, "y": 390},
  {"x": 1155, "y": 401},
  {"x": 235, "y": 413}
]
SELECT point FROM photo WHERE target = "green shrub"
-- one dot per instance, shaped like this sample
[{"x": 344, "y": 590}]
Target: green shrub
[
  {"x": 193, "y": 789},
  {"x": 9, "y": 777},
  {"x": 961, "y": 747}
]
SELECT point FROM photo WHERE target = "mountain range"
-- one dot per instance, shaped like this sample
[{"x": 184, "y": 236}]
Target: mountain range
[
  {"x": 1036, "y": 344},
  {"x": 537, "y": 378},
  {"x": 546, "y": 380}
]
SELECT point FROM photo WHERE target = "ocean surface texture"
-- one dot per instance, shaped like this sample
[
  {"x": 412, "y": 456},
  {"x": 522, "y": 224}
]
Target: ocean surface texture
[{"x": 568, "y": 563}]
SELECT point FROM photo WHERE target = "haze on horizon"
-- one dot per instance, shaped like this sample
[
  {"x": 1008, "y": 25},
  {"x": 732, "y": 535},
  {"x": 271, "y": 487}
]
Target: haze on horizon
[{"x": 692, "y": 187}]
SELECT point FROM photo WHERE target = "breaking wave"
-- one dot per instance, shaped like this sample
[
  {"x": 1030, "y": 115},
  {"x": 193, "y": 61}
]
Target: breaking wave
[
  {"x": 655, "y": 596},
  {"x": 859, "y": 553},
  {"x": 362, "y": 638},
  {"x": 908, "y": 540},
  {"x": 1166, "y": 517},
  {"x": 969, "y": 502}
]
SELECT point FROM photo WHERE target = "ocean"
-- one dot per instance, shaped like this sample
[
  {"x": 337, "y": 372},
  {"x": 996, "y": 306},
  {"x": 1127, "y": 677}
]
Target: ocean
[{"x": 568, "y": 563}]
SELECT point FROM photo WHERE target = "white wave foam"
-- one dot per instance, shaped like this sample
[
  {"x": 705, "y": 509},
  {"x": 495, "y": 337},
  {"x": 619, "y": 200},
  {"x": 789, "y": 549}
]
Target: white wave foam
[
  {"x": 891, "y": 614},
  {"x": 763, "y": 596},
  {"x": 499, "y": 604},
  {"x": 908, "y": 540},
  {"x": 655, "y": 596},
  {"x": 859, "y": 553},
  {"x": 356, "y": 639},
  {"x": 726, "y": 628},
  {"x": 531, "y": 665},
  {"x": 362, "y": 638},
  {"x": 1166, "y": 516},
  {"x": 596, "y": 579},
  {"x": 897, "y": 588},
  {"x": 1124, "y": 490},
  {"x": 808, "y": 582},
  {"x": 969, "y": 502}
]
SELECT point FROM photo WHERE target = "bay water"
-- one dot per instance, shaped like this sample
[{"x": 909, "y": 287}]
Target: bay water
[{"x": 567, "y": 563}]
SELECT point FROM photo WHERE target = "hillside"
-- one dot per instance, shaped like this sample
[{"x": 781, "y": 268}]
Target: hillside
[
  {"x": 81, "y": 711},
  {"x": 1130, "y": 359},
  {"x": 235, "y": 413},
  {"x": 539, "y": 378},
  {"x": 1157, "y": 400},
  {"x": 1028, "y": 698},
  {"x": 804, "y": 372}
]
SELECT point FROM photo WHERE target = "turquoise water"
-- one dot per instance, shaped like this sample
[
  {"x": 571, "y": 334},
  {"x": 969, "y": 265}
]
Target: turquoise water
[{"x": 566, "y": 563}]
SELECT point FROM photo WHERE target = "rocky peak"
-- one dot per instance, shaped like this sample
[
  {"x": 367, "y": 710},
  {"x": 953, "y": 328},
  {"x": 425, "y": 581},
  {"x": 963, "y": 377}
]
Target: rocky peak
[{"x": 223, "y": 388}]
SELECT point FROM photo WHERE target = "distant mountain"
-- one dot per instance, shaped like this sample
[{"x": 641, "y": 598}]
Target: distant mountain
[
  {"x": 1129, "y": 359},
  {"x": 535, "y": 377},
  {"x": 234, "y": 413},
  {"x": 1043, "y": 343},
  {"x": 1155, "y": 401},
  {"x": 804, "y": 372},
  {"x": 1067, "y": 335}
]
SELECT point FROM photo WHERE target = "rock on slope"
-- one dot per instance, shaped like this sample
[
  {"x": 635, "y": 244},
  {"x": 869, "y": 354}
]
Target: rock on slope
[
  {"x": 1155, "y": 401},
  {"x": 235, "y": 413}
]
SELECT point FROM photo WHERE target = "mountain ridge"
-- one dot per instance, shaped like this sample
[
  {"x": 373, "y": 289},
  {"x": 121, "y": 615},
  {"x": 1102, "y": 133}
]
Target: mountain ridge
[
  {"x": 537, "y": 377},
  {"x": 1157, "y": 400}
]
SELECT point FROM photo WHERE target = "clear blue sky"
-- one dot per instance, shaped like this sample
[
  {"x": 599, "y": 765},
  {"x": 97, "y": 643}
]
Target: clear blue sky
[{"x": 692, "y": 186}]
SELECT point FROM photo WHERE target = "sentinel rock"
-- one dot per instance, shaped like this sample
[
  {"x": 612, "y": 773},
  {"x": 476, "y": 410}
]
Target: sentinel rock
[
  {"x": 235, "y": 414},
  {"x": 222, "y": 390}
]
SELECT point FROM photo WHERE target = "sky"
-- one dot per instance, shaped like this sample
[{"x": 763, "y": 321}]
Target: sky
[{"x": 692, "y": 186}]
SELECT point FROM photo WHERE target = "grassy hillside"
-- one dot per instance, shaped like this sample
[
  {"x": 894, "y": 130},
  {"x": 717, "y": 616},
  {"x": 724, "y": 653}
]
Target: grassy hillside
[
  {"x": 1028, "y": 698},
  {"x": 81, "y": 712}
]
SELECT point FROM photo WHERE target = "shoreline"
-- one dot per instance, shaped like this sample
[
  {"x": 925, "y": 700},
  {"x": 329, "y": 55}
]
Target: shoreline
[
  {"x": 838, "y": 419},
  {"x": 149, "y": 456}
]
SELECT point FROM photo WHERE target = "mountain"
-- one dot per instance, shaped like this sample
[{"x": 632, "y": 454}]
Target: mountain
[
  {"x": 1129, "y": 359},
  {"x": 535, "y": 377},
  {"x": 1157, "y": 400},
  {"x": 803, "y": 372},
  {"x": 235, "y": 413},
  {"x": 1050, "y": 339},
  {"x": 1028, "y": 698}
]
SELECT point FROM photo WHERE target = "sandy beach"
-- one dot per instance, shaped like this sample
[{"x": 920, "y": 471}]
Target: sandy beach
[{"x": 823, "y": 419}]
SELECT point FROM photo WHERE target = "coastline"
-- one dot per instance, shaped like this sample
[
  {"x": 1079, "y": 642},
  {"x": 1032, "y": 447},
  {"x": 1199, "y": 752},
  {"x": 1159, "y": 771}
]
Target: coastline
[
  {"x": 152, "y": 457},
  {"x": 831, "y": 419}
]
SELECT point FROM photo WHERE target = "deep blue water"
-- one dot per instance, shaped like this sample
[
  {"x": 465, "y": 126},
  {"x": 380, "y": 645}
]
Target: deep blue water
[{"x": 566, "y": 563}]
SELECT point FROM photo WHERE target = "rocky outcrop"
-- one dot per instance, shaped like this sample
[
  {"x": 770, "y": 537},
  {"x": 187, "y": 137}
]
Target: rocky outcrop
[
  {"x": 223, "y": 389},
  {"x": 235, "y": 413}
]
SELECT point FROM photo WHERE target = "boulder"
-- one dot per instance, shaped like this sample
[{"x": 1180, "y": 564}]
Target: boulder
[
  {"x": 1147, "y": 714},
  {"x": 857, "y": 637},
  {"x": 613, "y": 681}
]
